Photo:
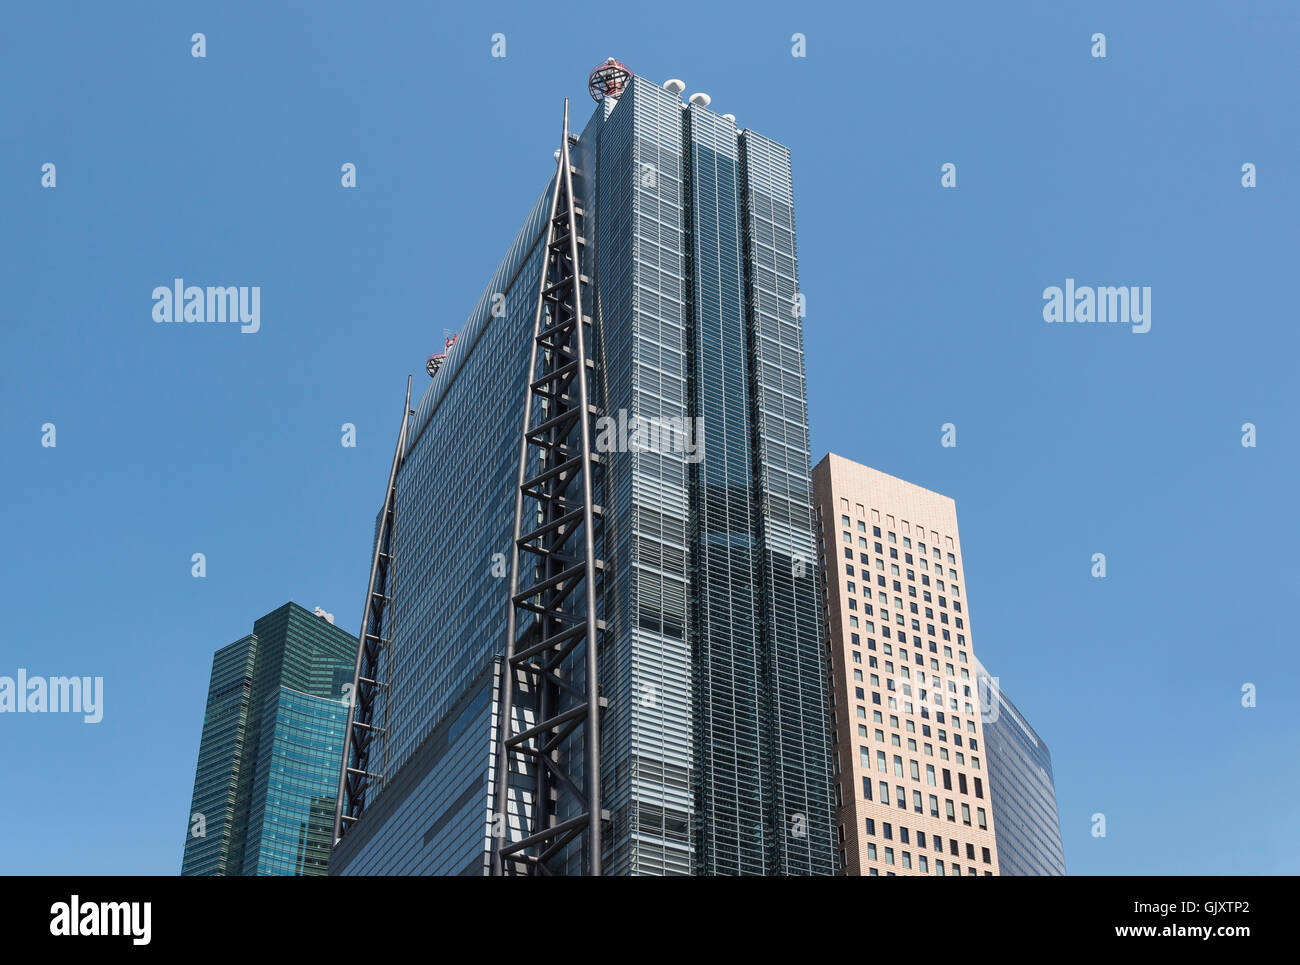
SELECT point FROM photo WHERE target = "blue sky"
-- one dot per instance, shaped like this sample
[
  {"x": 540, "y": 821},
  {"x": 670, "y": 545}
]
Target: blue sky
[{"x": 924, "y": 308}]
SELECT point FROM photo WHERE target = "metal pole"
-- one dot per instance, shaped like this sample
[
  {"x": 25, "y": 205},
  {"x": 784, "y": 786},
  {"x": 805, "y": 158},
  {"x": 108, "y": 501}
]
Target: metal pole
[{"x": 365, "y": 615}]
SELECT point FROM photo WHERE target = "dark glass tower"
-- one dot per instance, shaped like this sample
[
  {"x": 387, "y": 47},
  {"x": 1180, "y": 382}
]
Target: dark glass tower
[
  {"x": 714, "y": 750},
  {"x": 267, "y": 776},
  {"x": 1021, "y": 787}
]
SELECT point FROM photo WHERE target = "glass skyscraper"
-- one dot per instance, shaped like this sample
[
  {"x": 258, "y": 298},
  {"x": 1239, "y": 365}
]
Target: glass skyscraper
[
  {"x": 267, "y": 775},
  {"x": 715, "y": 750},
  {"x": 1025, "y": 818}
]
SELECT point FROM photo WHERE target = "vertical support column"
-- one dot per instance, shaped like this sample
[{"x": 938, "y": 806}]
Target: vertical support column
[{"x": 552, "y": 625}]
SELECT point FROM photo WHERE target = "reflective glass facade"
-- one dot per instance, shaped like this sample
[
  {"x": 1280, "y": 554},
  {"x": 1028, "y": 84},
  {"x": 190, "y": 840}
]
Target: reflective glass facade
[
  {"x": 267, "y": 775},
  {"x": 1020, "y": 783},
  {"x": 291, "y": 813},
  {"x": 715, "y": 752},
  {"x": 432, "y": 818}
]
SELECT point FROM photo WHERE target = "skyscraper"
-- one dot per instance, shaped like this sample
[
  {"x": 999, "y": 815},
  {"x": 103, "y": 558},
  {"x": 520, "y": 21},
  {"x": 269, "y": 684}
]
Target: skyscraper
[
  {"x": 267, "y": 776},
  {"x": 713, "y": 750},
  {"x": 911, "y": 765},
  {"x": 1021, "y": 787}
]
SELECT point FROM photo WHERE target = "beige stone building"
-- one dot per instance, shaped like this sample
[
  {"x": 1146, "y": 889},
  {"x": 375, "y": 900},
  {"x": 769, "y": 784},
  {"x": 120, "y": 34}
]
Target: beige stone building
[{"x": 911, "y": 782}]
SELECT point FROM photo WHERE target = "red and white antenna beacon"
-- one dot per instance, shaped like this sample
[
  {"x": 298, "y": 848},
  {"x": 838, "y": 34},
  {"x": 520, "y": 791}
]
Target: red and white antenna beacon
[
  {"x": 437, "y": 358},
  {"x": 608, "y": 80}
]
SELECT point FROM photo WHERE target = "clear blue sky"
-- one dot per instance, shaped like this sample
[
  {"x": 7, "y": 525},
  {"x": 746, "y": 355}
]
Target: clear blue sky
[{"x": 1072, "y": 440}]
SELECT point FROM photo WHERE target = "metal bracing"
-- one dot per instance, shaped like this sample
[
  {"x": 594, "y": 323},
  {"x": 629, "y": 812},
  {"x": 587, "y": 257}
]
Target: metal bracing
[
  {"x": 548, "y": 743},
  {"x": 356, "y": 779}
]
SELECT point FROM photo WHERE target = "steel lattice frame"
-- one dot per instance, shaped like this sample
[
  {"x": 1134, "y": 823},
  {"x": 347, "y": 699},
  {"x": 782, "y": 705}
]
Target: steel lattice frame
[
  {"x": 356, "y": 778},
  {"x": 550, "y": 664}
]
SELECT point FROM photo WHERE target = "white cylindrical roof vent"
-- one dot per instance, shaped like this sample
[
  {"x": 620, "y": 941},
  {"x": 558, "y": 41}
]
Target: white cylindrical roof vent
[
  {"x": 701, "y": 99},
  {"x": 730, "y": 117},
  {"x": 674, "y": 86}
]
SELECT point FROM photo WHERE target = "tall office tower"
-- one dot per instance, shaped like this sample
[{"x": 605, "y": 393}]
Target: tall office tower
[
  {"x": 713, "y": 755},
  {"x": 264, "y": 790},
  {"x": 1021, "y": 787},
  {"x": 910, "y": 764}
]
